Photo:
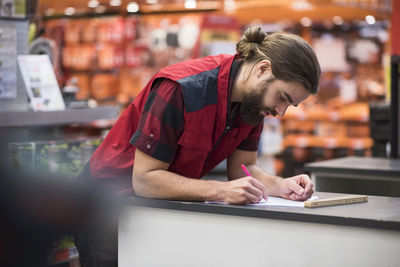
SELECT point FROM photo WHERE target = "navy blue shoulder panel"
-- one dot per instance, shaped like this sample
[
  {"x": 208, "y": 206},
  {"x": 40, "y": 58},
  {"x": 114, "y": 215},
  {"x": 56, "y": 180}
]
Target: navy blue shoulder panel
[{"x": 200, "y": 90}]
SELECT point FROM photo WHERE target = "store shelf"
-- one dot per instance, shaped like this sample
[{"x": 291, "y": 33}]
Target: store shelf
[
  {"x": 356, "y": 112},
  {"x": 52, "y": 118}
]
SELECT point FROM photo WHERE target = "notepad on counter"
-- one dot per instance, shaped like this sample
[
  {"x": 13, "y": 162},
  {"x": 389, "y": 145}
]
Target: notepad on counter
[
  {"x": 281, "y": 202},
  {"x": 274, "y": 201}
]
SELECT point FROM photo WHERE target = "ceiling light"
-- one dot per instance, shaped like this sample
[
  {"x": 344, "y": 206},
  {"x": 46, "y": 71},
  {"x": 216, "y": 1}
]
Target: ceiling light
[
  {"x": 370, "y": 19},
  {"x": 69, "y": 11},
  {"x": 49, "y": 11},
  {"x": 132, "y": 7},
  {"x": 100, "y": 9},
  {"x": 338, "y": 20},
  {"x": 302, "y": 5},
  {"x": 151, "y": 2},
  {"x": 93, "y": 3},
  {"x": 115, "y": 2},
  {"x": 306, "y": 21},
  {"x": 229, "y": 5},
  {"x": 190, "y": 4}
]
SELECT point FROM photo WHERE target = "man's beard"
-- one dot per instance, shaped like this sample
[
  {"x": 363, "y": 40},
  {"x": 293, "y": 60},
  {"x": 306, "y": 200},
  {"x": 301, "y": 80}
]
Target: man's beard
[{"x": 252, "y": 105}]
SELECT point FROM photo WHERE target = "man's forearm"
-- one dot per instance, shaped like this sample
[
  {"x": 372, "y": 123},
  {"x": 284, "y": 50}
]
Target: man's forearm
[{"x": 167, "y": 185}]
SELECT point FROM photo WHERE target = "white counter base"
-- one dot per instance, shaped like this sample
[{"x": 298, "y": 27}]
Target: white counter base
[{"x": 163, "y": 237}]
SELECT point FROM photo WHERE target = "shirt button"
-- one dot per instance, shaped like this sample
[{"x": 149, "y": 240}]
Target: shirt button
[
  {"x": 148, "y": 146},
  {"x": 151, "y": 135},
  {"x": 228, "y": 127}
]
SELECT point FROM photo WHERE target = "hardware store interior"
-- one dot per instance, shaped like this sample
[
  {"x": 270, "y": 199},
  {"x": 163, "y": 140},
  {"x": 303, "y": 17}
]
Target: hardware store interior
[{"x": 74, "y": 80}]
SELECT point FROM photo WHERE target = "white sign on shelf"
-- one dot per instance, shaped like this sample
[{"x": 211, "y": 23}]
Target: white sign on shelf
[
  {"x": 8, "y": 62},
  {"x": 40, "y": 82},
  {"x": 331, "y": 53}
]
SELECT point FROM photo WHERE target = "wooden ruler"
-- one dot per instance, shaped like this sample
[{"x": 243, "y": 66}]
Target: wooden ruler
[{"x": 349, "y": 199}]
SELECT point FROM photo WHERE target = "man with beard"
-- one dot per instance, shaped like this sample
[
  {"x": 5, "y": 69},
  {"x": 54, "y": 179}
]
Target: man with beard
[{"x": 193, "y": 115}]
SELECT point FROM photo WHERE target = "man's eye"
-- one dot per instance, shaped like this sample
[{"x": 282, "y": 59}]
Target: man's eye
[{"x": 282, "y": 97}]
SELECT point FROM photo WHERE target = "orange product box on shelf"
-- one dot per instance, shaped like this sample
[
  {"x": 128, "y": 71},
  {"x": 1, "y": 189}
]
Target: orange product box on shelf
[
  {"x": 313, "y": 112},
  {"x": 73, "y": 31},
  {"x": 302, "y": 141},
  {"x": 79, "y": 56},
  {"x": 104, "y": 86},
  {"x": 83, "y": 83},
  {"x": 89, "y": 32},
  {"x": 136, "y": 56},
  {"x": 297, "y": 140},
  {"x": 110, "y": 56},
  {"x": 111, "y": 30},
  {"x": 130, "y": 83},
  {"x": 355, "y": 112},
  {"x": 358, "y": 129},
  {"x": 67, "y": 56},
  {"x": 85, "y": 56},
  {"x": 357, "y": 143},
  {"x": 131, "y": 24},
  {"x": 329, "y": 128},
  {"x": 295, "y": 126},
  {"x": 300, "y": 144}
]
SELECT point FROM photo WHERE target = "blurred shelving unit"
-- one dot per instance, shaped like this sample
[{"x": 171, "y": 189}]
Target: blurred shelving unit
[
  {"x": 56, "y": 118},
  {"x": 28, "y": 126},
  {"x": 320, "y": 134}
]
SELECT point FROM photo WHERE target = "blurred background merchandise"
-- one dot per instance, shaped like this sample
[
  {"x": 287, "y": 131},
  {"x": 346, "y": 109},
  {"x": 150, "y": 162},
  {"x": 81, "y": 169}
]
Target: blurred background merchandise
[
  {"x": 66, "y": 157},
  {"x": 104, "y": 52}
]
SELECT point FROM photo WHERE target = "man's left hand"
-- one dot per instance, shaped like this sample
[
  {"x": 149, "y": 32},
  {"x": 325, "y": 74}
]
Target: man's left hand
[{"x": 299, "y": 187}]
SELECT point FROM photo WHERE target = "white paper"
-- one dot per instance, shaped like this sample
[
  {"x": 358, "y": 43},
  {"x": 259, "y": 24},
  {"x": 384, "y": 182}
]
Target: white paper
[
  {"x": 274, "y": 201},
  {"x": 40, "y": 82},
  {"x": 281, "y": 202}
]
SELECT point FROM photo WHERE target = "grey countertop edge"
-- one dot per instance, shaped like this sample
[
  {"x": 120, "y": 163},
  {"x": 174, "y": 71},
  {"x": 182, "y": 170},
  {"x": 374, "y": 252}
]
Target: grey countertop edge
[
  {"x": 61, "y": 117},
  {"x": 348, "y": 170},
  {"x": 263, "y": 213}
]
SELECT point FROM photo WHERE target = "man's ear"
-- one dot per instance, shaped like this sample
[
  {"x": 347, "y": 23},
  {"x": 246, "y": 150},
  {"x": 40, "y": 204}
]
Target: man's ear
[{"x": 263, "y": 66}]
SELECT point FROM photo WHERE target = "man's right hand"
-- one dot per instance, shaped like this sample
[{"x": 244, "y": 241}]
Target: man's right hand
[{"x": 246, "y": 190}]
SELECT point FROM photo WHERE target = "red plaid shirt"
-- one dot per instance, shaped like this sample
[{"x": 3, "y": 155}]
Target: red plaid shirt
[{"x": 162, "y": 120}]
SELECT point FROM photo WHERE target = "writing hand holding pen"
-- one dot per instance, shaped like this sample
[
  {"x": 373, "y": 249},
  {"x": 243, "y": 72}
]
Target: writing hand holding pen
[
  {"x": 246, "y": 171},
  {"x": 245, "y": 190}
]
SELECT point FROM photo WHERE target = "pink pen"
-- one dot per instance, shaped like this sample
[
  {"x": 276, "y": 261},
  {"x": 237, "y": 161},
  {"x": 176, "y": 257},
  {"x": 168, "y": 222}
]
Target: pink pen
[{"x": 246, "y": 171}]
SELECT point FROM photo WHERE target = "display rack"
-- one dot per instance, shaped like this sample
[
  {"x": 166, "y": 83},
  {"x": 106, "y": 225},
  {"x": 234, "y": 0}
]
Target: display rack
[{"x": 31, "y": 126}]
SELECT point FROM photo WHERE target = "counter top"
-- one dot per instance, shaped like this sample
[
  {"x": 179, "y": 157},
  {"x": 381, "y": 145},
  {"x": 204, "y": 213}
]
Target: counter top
[
  {"x": 378, "y": 212},
  {"x": 50, "y": 118}
]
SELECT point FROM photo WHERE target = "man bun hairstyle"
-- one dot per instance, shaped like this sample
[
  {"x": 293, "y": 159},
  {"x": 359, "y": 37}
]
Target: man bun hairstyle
[
  {"x": 247, "y": 46},
  {"x": 292, "y": 58}
]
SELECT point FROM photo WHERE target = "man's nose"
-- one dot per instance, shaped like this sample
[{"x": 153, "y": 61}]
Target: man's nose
[{"x": 281, "y": 110}]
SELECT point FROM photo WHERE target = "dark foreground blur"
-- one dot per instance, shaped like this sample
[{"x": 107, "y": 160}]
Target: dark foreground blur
[{"x": 38, "y": 208}]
